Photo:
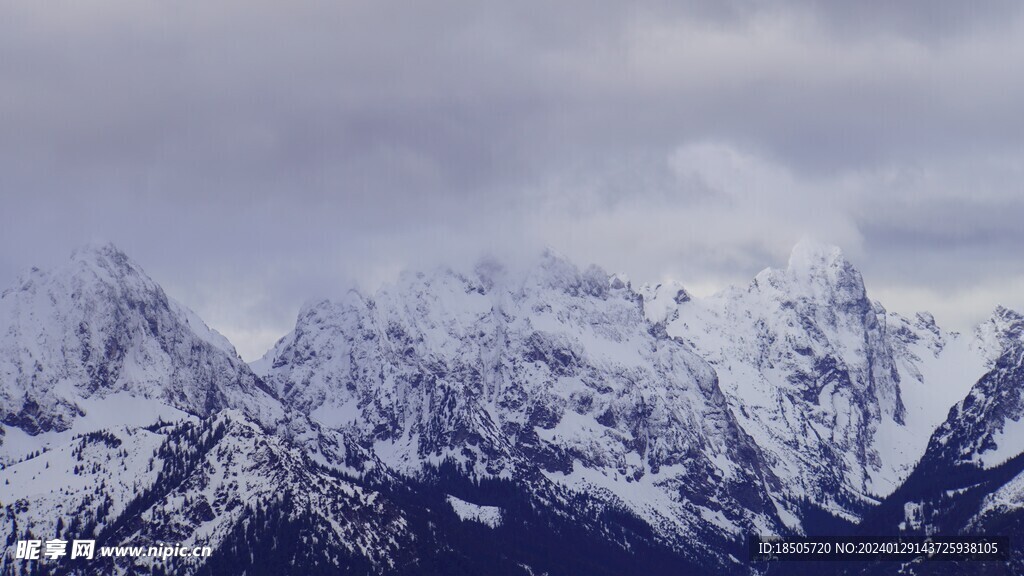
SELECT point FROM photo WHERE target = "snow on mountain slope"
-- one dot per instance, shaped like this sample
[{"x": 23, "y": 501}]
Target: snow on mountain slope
[
  {"x": 1008, "y": 498},
  {"x": 985, "y": 428},
  {"x": 111, "y": 465},
  {"x": 841, "y": 395},
  {"x": 970, "y": 478},
  {"x": 554, "y": 370},
  {"x": 661, "y": 301},
  {"x": 99, "y": 326},
  {"x": 467, "y": 511},
  {"x": 110, "y": 411},
  {"x": 193, "y": 483},
  {"x": 937, "y": 369}
]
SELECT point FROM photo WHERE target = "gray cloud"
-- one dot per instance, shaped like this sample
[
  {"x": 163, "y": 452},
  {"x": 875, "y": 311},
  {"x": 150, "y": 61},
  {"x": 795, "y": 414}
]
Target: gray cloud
[{"x": 252, "y": 155}]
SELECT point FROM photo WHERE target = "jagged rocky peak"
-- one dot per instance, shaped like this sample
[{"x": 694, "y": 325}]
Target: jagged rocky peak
[
  {"x": 547, "y": 368},
  {"x": 810, "y": 256},
  {"x": 1001, "y": 331},
  {"x": 112, "y": 266},
  {"x": 554, "y": 271},
  {"x": 93, "y": 271},
  {"x": 818, "y": 272},
  {"x": 428, "y": 312},
  {"x": 805, "y": 360},
  {"x": 99, "y": 327},
  {"x": 926, "y": 327},
  {"x": 443, "y": 317}
]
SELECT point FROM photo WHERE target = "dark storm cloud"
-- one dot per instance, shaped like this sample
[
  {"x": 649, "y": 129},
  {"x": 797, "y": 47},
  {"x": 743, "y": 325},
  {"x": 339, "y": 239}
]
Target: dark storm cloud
[{"x": 254, "y": 154}]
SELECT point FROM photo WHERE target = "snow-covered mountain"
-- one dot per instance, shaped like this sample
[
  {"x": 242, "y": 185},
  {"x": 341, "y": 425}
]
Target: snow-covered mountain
[
  {"x": 840, "y": 395},
  {"x": 97, "y": 342},
  {"x": 554, "y": 371},
  {"x": 507, "y": 421},
  {"x": 194, "y": 483}
]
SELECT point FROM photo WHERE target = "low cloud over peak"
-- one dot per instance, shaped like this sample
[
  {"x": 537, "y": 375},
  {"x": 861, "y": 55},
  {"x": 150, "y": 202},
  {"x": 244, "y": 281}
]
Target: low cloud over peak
[{"x": 255, "y": 155}]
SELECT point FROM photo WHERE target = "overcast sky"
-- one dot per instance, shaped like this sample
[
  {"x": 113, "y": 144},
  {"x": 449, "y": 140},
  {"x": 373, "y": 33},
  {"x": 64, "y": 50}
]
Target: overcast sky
[{"x": 253, "y": 155}]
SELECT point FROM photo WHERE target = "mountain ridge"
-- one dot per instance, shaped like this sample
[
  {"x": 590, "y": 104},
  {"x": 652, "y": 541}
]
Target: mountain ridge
[{"x": 689, "y": 423}]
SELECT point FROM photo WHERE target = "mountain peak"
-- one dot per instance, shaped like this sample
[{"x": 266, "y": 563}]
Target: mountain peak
[
  {"x": 111, "y": 265},
  {"x": 809, "y": 255},
  {"x": 1006, "y": 314},
  {"x": 1003, "y": 330},
  {"x": 102, "y": 253},
  {"x": 1006, "y": 323},
  {"x": 825, "y": 266},
  {"x": 817, "y": 271},
  {"x": 99, "y": 326}
]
